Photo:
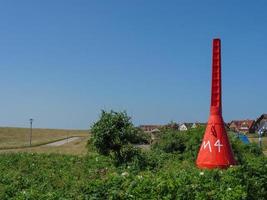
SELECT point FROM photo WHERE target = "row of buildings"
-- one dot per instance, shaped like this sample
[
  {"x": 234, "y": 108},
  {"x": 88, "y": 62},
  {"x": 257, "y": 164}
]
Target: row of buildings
[
  {"x": 180, "y": 127},
  {"x": 243, "y": 126},
  {"x": 249, "y": 126}
]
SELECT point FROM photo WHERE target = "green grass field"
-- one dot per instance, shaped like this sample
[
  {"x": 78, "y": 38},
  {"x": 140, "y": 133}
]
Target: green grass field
[{"x": 19, "y": 137}]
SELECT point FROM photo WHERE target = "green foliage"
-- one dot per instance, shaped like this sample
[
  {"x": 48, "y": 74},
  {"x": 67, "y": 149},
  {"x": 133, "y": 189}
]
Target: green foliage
[
  {"x": 140, "y": 137},
  {"x": 111, "y": 132},
  {"x": 171, "y": 141},
  {"x": 113, "y": 135},
  {"x": 153, "y": 174},
  {"x": 241, "y": 150},
  {"x": 127, "y": 154},
  {"x": 186, "y": 143},
  {"x": 193, "y": 141},
  {"x": 32, "y": 176}
]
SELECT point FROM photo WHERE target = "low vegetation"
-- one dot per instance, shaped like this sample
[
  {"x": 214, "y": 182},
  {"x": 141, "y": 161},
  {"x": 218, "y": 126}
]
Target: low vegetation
[
  {"x": 77, "y": 147},
  {"x": 256, "y": 140},
  {"x": 20, "y": 137},
  {"x": 167, "y": 171}
]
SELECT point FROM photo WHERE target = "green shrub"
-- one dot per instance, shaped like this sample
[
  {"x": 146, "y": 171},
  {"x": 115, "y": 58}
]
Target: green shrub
[
  {"x": 127, "y": 154},
  {"x": 140, "y": 137},
  {"x": 241, "y": 150},
  {"x": 193, "y": 141},
  {"x": 113, "y": 134},
  {"x": 185, "y": 143},
  {"x": 171, "y": 141}
]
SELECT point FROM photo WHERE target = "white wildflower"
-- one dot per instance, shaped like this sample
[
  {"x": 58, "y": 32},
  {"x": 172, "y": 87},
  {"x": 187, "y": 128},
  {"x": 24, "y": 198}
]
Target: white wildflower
[
  {"x": 229, "y": 189},
  {"x": 201, "y": 173},
  {"x": 125, "y": 174},
  {"x": 139, "y": 176}
]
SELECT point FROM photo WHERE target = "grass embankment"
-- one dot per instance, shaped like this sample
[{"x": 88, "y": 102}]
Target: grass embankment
[
  {"x": 17, "y": 140},
  {"x": 77, "y": 147}
]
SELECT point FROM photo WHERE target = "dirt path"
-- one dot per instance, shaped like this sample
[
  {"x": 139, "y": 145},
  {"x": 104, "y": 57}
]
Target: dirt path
[{"x": 62, "y": 142}]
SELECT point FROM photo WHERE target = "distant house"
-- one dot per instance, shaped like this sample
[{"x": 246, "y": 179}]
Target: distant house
[
  {"x": 247, "y": 126},
  {"x": 185, "y": 126},
  {"x": 195, "y": 125},
  {"x": 172, "y": 125},
  {"x": 152, "y": 130},
  {"x": 148, "y": 128},
  {"x": 261, "y": 123},
  {"x": 244, "y": 126},
  {"x": 234, "y": 125}
]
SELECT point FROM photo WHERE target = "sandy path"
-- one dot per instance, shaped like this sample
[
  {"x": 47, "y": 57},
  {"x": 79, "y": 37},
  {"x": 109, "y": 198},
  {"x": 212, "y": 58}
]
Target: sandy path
[{"x": 62, "y": 142}]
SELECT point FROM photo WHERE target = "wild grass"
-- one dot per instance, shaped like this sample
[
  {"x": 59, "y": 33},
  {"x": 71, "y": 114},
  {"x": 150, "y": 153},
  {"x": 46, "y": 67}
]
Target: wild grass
[
  {"x": 77, "y": 147},
  {"x": 20, "y": 137}
]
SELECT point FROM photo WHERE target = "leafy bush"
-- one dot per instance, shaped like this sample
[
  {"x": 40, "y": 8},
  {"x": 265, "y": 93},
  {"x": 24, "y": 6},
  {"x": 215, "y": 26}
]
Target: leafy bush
[
  {"x": 171, "y": 141},
  {"x": 127, "y": 154},
  {"x": 193, "y": 141},
  {"x": 140, "y": 137},
  {"x": 113, "y": 134},
  {"x": 241, "y": 150},
  {"x": 186, "y": 143}
]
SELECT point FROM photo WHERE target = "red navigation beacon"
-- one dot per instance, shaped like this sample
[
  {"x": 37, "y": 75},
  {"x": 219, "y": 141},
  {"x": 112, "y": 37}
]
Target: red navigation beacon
[{"x": 215, "y": 150}]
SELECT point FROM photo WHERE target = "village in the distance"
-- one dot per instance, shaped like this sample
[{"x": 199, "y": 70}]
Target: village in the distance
[{"x": 246, "y": 126}]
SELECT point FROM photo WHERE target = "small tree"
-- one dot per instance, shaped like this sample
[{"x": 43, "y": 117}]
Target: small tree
[{"x": 112, "y": 132}]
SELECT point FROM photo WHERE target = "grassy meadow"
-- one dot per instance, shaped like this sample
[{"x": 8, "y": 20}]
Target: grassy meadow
[{"x": 19, "y": 137}]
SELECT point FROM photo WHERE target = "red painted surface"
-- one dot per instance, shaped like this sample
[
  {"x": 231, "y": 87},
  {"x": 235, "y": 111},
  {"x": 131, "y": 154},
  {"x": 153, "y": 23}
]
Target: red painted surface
[{"x": 215, "y": 151}]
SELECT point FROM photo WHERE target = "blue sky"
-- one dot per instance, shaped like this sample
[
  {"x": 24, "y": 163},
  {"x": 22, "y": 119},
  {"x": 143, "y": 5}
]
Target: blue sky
[{"x": 62, "y": 61}]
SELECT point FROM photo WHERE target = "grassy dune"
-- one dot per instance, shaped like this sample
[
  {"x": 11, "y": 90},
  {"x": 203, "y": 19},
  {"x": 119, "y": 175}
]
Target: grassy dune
[{"x": 19, "y": 137}]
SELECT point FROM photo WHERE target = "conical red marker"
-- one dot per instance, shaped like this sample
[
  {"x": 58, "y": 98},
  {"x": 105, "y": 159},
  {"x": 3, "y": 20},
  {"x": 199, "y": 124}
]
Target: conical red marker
[{"x": 215, "y": 150}]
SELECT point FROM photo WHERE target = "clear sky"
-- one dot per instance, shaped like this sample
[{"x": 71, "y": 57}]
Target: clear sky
[{"x": 62, "y": 61}]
